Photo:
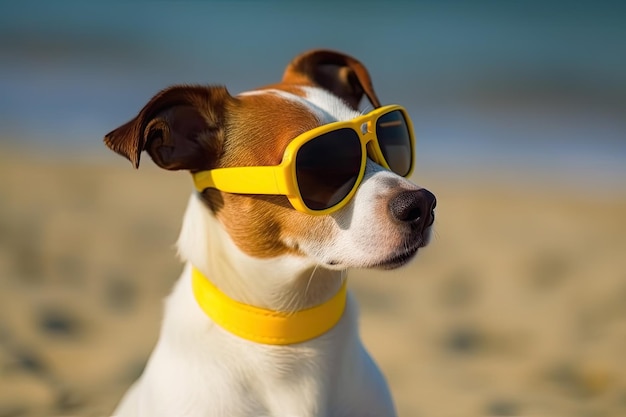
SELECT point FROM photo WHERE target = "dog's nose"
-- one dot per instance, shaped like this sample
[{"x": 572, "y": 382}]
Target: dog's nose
[{"x": 414, "y": 206}]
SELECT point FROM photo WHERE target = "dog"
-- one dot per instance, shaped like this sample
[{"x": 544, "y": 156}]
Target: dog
[{"x": 260, "y": 322}]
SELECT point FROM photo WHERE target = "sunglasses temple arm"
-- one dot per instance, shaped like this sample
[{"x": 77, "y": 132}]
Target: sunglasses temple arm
[{"x": 241, "y": 180}]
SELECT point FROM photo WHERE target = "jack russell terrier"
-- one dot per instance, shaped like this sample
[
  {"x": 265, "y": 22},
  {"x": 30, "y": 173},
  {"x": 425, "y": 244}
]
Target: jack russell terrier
[{"x": 294, "y": 185}]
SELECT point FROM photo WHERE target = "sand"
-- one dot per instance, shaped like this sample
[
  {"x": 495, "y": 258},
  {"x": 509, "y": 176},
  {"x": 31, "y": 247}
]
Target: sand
[{"x": 518, "y": 307}]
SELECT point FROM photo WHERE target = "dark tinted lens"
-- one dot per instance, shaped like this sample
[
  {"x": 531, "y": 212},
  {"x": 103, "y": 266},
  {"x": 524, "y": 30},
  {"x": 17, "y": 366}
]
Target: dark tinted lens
[
  {"x": 327, "y": 168},
  {"x": 395, "y": 142}
]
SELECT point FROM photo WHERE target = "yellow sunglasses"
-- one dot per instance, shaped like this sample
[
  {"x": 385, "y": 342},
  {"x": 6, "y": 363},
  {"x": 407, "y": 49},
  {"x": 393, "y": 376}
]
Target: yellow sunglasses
[{"x": 323, "y": 167}]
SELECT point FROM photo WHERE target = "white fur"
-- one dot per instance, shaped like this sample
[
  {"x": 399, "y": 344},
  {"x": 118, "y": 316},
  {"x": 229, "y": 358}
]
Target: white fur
[{"x": 198, "y": 369}]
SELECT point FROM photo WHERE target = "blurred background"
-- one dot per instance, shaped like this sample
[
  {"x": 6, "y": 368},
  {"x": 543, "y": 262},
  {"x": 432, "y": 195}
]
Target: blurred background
[{"x": 518, "y": 307}]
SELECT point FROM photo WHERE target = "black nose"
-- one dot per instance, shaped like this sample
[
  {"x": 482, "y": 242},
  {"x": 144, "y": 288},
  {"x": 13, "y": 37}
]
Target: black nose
[{"x": 414, "y": 206}]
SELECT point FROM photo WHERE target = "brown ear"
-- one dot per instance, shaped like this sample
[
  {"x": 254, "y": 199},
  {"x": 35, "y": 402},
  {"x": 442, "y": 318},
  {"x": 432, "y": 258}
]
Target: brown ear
[
  {"x": 182, "y": 127},
  {"x": 341, "y": 74}
]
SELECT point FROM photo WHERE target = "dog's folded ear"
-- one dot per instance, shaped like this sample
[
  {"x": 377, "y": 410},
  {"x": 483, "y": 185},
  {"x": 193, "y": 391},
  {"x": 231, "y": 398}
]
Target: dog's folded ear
[
  {"x": 339, "y": 73},
  {"x": 182, "y": 127}
]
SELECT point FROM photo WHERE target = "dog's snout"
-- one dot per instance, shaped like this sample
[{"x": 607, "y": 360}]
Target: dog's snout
[{"x": 414, "y": 206}]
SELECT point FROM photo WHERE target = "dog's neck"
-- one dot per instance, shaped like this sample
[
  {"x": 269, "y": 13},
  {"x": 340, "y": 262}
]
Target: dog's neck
[{"x": 287, "y": 283}]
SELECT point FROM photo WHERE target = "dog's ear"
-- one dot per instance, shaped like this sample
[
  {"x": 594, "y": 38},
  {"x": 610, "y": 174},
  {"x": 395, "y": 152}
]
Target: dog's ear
[
  {"x": 182, "y": 127},
  {"x": 339, "y": 73}
]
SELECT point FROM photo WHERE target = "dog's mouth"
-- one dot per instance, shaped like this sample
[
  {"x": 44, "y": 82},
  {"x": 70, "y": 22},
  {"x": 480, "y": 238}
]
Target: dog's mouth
[
  {"x": 397, "y": 260},
  {"x": 404, "y": 256}
]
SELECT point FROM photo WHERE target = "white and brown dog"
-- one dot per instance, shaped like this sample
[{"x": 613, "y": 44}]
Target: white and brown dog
[{"x": 255, "y": 256}]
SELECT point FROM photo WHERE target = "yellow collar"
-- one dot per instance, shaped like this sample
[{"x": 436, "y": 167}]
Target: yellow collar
[{"x": 266, "y": 326}]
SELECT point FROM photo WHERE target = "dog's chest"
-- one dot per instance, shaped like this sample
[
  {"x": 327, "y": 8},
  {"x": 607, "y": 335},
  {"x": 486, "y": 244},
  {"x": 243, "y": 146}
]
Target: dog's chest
[{"x": 216, "y": 373}]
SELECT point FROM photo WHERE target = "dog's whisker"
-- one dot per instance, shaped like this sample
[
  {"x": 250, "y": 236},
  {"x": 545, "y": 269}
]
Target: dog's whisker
[
  {"x": 296, "y": 298},
  {"x": 308, "y": 284},
  {"x": 367, "y": 108},
  {"x": 292, "y": 304}
]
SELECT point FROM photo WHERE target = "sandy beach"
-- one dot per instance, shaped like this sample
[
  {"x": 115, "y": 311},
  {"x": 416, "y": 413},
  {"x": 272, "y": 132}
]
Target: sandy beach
[{"x": 517, "y": 308}]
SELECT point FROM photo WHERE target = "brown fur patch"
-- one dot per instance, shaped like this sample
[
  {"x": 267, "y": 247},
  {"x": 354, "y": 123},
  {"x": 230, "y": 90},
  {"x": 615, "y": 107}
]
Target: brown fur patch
[{"x": 259, "y": 128}]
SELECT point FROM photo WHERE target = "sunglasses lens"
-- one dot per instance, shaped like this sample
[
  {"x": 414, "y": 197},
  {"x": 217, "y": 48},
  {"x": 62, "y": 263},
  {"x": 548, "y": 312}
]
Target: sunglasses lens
[
  {"x": 394, "y": 140},
  {"x": 327, "y": 168}
]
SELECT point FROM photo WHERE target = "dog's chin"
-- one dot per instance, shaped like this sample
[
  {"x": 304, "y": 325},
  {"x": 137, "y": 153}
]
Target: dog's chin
[
  {"x": 397, "y": 259},
  {"x": 394, "y": 261},
  {"x": 404, "y": 256}
]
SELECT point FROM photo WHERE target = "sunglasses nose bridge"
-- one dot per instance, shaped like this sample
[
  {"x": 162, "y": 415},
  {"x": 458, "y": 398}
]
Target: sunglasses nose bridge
[
  {"x": 364, "y": 128},
  {"x": 372, "y": 148}
]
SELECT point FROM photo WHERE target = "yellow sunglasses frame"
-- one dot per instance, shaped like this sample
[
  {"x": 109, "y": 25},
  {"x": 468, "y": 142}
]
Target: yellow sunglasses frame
[{"x": 282, "y": 180}]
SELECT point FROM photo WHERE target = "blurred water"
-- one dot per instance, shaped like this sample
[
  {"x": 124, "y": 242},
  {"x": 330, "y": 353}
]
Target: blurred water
[{"x": 535, "y": 87}]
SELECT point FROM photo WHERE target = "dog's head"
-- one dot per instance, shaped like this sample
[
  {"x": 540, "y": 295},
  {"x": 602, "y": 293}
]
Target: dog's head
[{"x": 200, "y": 128}]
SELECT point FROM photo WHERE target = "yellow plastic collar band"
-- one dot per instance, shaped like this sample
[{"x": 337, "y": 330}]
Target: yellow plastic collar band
[{"x": 266, "y": 326}]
